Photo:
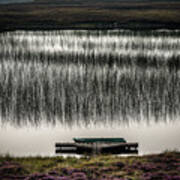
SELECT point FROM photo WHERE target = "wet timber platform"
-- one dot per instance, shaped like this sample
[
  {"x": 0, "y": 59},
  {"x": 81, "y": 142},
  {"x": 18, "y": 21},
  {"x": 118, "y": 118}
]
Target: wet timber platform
[{"x": 97, "y": 146}]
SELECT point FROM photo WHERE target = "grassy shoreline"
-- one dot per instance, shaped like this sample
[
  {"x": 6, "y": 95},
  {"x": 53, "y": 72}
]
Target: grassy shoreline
[{"x": 158, "y": 166}]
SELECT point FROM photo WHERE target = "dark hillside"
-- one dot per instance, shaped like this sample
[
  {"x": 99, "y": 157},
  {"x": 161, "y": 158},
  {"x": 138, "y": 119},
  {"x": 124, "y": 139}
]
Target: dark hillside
[{"x": 90, "y": 14}]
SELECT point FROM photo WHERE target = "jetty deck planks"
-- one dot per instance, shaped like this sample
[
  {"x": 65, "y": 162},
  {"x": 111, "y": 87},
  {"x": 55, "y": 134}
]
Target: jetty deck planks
[{"x": 97, "y": 148}]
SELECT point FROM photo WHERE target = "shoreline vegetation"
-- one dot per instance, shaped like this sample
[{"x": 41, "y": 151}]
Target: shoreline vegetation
[
  {"x": 94, "y": 14},
  {"x": 165, "y": 166}
]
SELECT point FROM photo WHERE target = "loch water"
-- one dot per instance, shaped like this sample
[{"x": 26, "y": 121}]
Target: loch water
[{"x": 56, "y": 85}]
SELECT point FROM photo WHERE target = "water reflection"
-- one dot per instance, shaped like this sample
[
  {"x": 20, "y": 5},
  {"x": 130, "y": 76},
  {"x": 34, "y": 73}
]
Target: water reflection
[{"x": 89, "y": 77}]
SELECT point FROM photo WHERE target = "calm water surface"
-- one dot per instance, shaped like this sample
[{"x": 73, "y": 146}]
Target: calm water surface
[{"x": 56, "y": 85}]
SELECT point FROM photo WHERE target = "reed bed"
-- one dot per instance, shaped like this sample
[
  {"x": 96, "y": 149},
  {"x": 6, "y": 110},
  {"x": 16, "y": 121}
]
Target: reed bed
[
  {"x": 84, "y": 77},
  {"x": 154, "y": 48},
  {"x": 80, "y": 94}
]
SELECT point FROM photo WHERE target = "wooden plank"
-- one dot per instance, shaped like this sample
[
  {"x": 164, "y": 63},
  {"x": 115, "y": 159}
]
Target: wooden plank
[
  {"x": 102, "y": 145},
  {"x": 94, "y": 140},
  {"x": 135, "y": 145},
  {"x": 96, "y": 148},
  {"x": 68, "y": 151},
  {"x": 65, "y": 144}
]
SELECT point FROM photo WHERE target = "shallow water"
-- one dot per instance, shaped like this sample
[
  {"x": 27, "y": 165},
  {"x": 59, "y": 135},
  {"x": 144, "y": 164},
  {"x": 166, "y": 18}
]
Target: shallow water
[
  {"x": 56, "y": 85},
  {"x": 31, "y": 141}
]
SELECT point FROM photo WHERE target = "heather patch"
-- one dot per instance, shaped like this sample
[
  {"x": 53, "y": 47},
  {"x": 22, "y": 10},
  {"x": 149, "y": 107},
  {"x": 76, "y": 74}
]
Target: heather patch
[{"x": 164, "y": 166}]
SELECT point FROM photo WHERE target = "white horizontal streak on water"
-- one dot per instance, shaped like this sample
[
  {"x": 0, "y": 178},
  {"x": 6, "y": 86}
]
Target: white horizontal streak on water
[{"x": 70, "y": 43}]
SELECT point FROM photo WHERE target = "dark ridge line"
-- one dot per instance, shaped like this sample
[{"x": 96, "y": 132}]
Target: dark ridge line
[{"x": 136, "y": 27}]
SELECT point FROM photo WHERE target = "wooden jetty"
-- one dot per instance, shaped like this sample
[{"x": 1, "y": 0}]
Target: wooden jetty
[
  {"x": 103, "y": 140},
  {"x": 97, "y": 146}
]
